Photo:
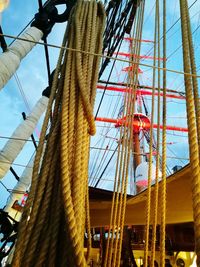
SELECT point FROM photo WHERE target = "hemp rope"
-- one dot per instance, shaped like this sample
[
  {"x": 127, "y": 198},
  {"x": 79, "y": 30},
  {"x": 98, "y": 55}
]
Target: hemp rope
[
  {"x": 194, "y": 79},
  {"x": 192, "y": 127},
  {"x": 130, "y": 138},
  {"x": 164, "y": 148},
  {"x": 155, "y": 211},
  {"x": 54, "y": 220},
  {"x": 148, "y": 202},
  {"x": 113, "y": 249}
]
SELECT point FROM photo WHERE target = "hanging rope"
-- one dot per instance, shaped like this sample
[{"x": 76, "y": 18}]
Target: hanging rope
[
  {"x": 53, "y": 224},
  {"x": 164, "y": 147},
  {"x": 193, "y": 121},
  {"x": 155, "y": 209},
  {"x": 148, "y": 204},
  {"x": 115, "y": 233}
]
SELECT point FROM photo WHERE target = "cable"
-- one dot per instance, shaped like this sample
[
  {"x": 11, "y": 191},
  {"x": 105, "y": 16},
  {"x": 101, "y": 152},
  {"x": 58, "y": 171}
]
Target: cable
[
  {"x": 99, "y": 55},
  {"x": 99, "y": 179},
  {"x": 45, "y": 47},
  {"x": 171, "y": 27}
]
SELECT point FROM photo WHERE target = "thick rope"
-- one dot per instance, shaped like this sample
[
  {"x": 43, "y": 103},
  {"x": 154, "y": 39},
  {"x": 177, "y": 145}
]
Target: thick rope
[
  {"x": 115, "y": 234},
  {"x": 155, "y": 211},
  {"x": 194, "y": 79},
  {"x": 164, "y": 148},
  {"x": 148, "y": 203},
  {"x": 192, "y": 127},
  {"x": 59, "y": 191}
]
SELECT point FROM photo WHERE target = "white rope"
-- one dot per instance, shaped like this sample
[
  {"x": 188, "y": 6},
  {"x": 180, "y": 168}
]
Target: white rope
[
  {"x": 10, "y": 60},
  {"x": 13, "y": 147}
]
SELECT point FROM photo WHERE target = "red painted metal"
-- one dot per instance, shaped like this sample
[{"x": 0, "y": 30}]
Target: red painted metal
[
  {"x": 142, "y": 40},
  {"x": 140, "y": 122},
  {"x": 131, "y": 68},
  {"x": 138, "y": 91},
  {"x": 136, "y": 56}
]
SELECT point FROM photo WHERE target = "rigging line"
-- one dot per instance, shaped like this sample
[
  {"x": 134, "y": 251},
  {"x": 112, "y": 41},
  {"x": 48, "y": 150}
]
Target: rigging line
[
  {"x": 99, "y": 179},
  {"x": 101, "y": 163},
  {"x": 32, "y": 136},
  {"x": 102, "y": 97},
  {"x": 22, "y": 92},
  {"x": 100, "y": 55},
  {"x": 15, "y": 138},
  {"x": 150, "y": 13},
  {"x": 4, "y": 186},
  {"x": 14, "y": 173},
  {"x": 97, "y": 155},
  {"x": 15, "y": 164},
  {"x": 172, "y": 26},
  {"x": 110, "y": 144},
  {"x": 174, "y": 154},
  {"x": 45, "y": 47},
  {"x": 142, "y": 154},
  {"x": 114, "y": 111},
  {"x": 198, "y": 12},
  {"x": 181, "y": 44},
  {"x": 139, "y": 86},
  {"x": 25, "y": 27}
]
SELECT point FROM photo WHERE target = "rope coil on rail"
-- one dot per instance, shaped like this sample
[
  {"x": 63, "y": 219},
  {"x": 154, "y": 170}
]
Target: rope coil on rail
[{"x": 53, "y": 224}]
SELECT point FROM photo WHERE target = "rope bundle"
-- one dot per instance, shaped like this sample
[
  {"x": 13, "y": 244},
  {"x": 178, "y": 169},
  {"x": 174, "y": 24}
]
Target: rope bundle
[
  {"x": 117, "y": 218},
  {"x": 53, "y": 224}
]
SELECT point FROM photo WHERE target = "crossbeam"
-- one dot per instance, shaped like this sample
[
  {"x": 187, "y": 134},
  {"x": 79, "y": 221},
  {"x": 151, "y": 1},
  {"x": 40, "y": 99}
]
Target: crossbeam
[
  {"x": 138, "y": 91},
  {"x": 139, "y": 124}
]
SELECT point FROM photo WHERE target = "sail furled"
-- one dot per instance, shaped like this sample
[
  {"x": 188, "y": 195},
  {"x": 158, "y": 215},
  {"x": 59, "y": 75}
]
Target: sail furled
[
  {"x": 19, "y": 137},
  {"x": 19, "y": 190},
  {"x": 10, "y": 60}
]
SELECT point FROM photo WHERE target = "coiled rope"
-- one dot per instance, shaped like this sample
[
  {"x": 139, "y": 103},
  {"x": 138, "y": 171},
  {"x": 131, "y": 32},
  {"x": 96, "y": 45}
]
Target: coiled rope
[{"x": 53, "y": 224}]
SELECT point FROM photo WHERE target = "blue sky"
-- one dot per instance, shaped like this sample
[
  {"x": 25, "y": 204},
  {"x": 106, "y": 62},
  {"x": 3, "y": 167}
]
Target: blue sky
[{"x": 33, "y": 78}]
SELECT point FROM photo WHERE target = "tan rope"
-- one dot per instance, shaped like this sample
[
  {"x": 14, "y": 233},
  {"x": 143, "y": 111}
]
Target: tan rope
[
  {"x": 155, "y": 211},
  {"x": 164, "y": 149},
  {"x": 148, "y": 203},
  {"x": 114, "y": 242},
  {"x": 192, "y": 127},
  {"x": 60, "y": 178},
  {"x": 194, "y": 79}
]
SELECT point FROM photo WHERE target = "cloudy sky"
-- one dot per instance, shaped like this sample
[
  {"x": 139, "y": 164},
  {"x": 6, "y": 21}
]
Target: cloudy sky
[{"x": 32, "y": 75}]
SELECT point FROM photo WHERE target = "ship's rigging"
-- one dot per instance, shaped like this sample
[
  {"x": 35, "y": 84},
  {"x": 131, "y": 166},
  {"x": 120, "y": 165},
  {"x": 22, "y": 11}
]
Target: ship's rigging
[{"x": 103, "y": 147}]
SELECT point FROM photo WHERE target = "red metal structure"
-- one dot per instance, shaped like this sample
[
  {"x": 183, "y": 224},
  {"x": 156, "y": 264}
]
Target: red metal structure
[
  {"x": 138, "y": 91},
  {"x": 140, "y": 122}
]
